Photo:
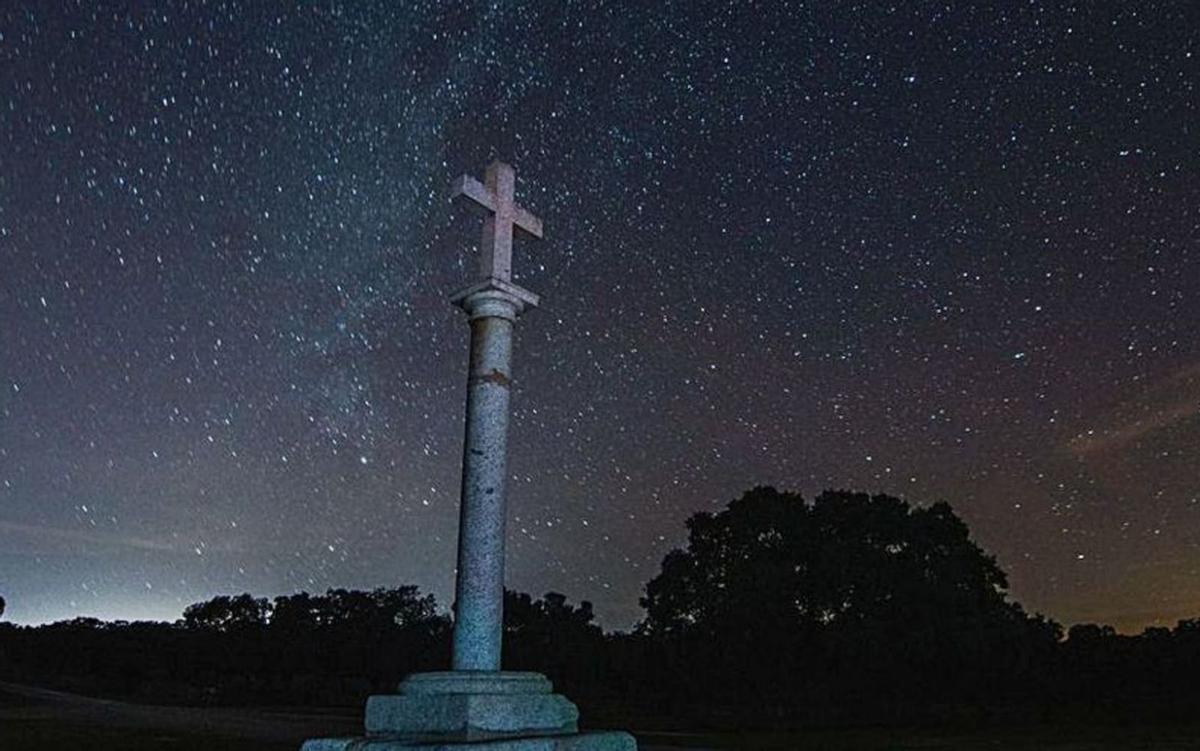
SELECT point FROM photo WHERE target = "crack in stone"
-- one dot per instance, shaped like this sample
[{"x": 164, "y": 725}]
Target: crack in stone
[{"x": 495, "y": 377}]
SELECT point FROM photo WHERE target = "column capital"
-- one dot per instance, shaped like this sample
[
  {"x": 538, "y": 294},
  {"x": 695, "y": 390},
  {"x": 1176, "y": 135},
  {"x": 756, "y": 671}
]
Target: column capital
[{"x": 496, "y": 298}]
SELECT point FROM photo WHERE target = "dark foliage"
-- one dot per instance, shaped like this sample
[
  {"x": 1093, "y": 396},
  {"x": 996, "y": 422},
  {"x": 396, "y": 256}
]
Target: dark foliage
[
  {"x": 302, "y": 649},
  {"x": 850, "y": 609}
]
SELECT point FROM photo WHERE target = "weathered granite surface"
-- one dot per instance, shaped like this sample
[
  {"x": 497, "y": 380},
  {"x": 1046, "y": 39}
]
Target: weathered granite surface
[{"x": 472, "y": 705}]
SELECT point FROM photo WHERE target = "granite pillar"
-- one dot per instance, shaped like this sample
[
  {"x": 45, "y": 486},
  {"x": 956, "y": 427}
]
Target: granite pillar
[{"x": 477, "y": 706}]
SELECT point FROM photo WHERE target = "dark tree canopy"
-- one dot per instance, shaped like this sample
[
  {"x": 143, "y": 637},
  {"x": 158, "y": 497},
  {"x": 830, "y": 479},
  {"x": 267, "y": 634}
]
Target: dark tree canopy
[
  {"x": 552, "y": 615},
  {"x": 227, "y": 613},
  {"x": 553, "y": 636},
  {"x": 376, "y": 610},
  {"x": 803, "y": 595},
  {"x": 2, "y": 604},
  {"x": 770, "y": 560}
]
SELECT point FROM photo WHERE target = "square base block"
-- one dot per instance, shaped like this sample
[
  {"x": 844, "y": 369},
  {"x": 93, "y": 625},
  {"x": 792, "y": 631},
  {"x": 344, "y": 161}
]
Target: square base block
[
  {"x": 471, "y": 717},
  {"x": 474, "y": 711}
]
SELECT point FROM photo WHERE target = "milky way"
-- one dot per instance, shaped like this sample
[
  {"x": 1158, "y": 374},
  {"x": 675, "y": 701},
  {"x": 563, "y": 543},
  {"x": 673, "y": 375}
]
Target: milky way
[{"x": 941, "y": 253}]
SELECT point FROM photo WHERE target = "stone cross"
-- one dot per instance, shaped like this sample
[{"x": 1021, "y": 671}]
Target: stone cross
[
  {"x": 495, "y": 195},
  {"x": 478, "y": 706},
  {"x": 493, "y": 304}
]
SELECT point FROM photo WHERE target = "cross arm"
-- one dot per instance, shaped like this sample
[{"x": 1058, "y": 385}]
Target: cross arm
[
  {"x": 528, "y": 222},
  {"x": 465, "y": 185}
]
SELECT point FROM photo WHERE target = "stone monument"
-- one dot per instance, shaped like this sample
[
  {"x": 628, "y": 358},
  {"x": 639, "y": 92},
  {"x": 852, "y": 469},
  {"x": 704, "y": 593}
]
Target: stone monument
[{"x": 477, "y": 706}]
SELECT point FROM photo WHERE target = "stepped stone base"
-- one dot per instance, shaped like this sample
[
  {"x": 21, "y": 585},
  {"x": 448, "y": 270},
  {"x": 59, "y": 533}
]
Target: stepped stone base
[{"x": 474, "y": 711}]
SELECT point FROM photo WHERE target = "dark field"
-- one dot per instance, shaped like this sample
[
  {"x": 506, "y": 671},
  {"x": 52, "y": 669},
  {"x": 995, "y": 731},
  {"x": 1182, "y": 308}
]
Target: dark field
[{"x": 37, "y": 720}]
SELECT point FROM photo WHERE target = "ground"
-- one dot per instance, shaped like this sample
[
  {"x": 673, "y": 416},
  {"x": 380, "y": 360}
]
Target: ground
[{"x": 34, "y": 719}]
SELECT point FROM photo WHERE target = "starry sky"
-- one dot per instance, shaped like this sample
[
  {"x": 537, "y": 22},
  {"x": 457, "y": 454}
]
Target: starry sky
[{"x": 948, "y": 253}]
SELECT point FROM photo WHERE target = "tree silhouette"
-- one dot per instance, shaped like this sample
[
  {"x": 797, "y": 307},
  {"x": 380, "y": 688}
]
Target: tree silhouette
[
  {"x": 225, "y": 613},
  {"x": 554, "y": 637},
  {"x": 772, "y": 561},
  {"x": 850, "y": 592},
  {"x": 2, "y": 604}
]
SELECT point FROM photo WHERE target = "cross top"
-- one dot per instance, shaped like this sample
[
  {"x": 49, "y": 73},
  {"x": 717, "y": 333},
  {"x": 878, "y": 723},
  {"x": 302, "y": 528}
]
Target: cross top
[{"x": 495, "y": 195}]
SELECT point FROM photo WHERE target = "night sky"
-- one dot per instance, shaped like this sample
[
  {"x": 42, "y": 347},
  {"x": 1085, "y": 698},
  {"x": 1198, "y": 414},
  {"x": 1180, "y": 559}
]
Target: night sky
[{"x": 944, "y": 253}]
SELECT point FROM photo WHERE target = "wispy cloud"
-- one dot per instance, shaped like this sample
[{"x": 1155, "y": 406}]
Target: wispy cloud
[
  {"x": 1167, "y": 403},
  {"x": 1120, "y": 435},
  {"x": 90, "y": 538}
]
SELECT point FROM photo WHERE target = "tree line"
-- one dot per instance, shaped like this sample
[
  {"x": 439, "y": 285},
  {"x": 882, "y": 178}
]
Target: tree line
[{"x": 843, "y": 610}]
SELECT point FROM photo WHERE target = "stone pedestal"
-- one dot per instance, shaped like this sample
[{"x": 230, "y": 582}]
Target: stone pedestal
[{"x": 474, "y": 711}]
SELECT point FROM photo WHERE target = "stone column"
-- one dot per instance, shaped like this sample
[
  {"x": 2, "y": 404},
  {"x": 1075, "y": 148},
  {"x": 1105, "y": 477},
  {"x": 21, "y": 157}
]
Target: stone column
[
  {"x": 479, "y": 588},
  {"x": 477, "y": 705}
]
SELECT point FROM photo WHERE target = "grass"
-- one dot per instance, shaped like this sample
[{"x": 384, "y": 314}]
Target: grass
[
  {"x": 1053, "y": 738},
  {"x": 39, "y": 735},
  {"x": 37, "y": 721}
]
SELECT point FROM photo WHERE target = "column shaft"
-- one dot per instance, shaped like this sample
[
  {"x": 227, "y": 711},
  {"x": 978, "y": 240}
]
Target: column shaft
[{"x": 479, "y": 608}]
